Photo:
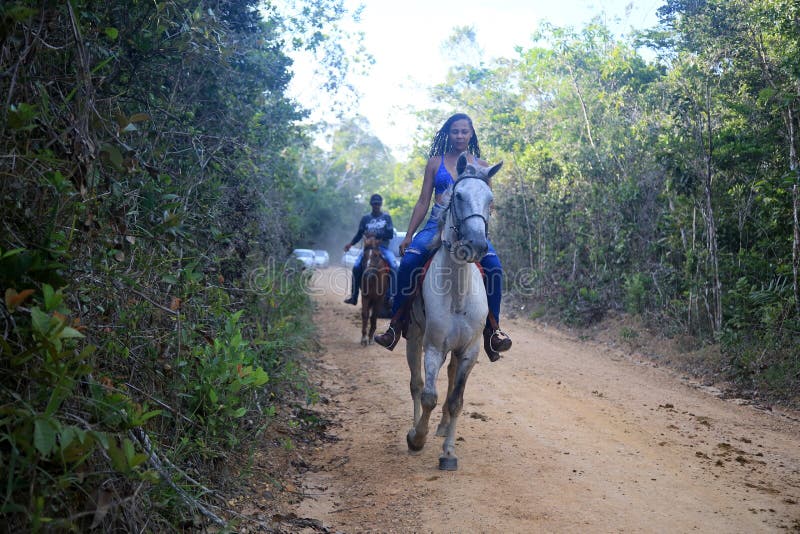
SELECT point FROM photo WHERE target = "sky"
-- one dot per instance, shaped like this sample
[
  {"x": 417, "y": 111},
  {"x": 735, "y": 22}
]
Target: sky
[{"x": 405, "y": 39}]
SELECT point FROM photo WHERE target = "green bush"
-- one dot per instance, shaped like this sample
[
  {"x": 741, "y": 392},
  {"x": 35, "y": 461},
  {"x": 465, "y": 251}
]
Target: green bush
[
  {"x": 53, "y": 435},
  {"x": 635, "y": 287},
  {"x": 134, "y": 203}
]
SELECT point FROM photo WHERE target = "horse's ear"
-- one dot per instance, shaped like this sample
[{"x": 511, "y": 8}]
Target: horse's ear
[
  {"x": 461, "y": 164},
  {"x": 493, "y": 169}
]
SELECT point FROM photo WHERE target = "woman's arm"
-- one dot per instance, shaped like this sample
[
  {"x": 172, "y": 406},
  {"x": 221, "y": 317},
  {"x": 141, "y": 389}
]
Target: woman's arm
[{"x": 423, "y": 203}]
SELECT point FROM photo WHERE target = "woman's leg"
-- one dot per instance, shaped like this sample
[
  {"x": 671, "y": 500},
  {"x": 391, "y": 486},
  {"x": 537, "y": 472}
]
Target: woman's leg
[
  {"x": 411, "y": 265},
  {"x": 493, "y": 280},
  {"x": 494, "y": 340}
]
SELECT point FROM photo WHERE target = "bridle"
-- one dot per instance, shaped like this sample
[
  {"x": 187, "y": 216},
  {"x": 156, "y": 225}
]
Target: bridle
[
  {"x": 458, "y": 221},
  {"x": 378, "y": 263}
]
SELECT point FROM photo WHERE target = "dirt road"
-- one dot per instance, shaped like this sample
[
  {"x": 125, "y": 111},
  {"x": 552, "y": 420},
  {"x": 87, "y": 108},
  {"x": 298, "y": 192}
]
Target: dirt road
[{"x": 558, "y": 436}]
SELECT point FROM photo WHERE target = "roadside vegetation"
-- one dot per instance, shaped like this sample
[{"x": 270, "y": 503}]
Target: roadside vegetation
[
  {"x": 154, "y": 176},
  {"x": 654, "y": 175},
  {"x": 150, "y": 321}
]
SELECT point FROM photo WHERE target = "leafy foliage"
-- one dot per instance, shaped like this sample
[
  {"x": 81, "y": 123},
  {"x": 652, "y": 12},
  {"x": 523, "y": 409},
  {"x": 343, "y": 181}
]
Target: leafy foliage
[
  {"x": 149, "y": 157},
  {"x": 668, "y": 188}
]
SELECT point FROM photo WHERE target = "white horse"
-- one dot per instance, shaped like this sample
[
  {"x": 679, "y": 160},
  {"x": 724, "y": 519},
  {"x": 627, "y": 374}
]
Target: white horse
[{"x": 450, "y": 316}]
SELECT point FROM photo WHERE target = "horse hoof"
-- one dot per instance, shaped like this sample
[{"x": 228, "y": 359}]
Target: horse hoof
[
  {"x": 370, "y": 341},
  {"x": 447, "y": 463},
  {"x": 441, "y": 431},
  {"x": 413, "y": 447},
  {"x": 363, "y": 342}
]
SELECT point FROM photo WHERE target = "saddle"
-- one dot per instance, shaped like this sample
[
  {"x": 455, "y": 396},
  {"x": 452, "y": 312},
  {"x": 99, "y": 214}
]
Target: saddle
[{"x": 418, "y": 290}]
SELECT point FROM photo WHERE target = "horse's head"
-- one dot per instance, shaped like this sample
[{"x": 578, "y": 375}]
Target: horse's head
[
  {"x": 466, "y": 228},
  {"x": 370, "y": 240}
]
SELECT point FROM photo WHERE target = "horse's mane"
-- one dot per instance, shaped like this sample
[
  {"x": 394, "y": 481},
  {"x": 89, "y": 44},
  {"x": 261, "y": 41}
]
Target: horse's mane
[{"x": 436, "y": 242}]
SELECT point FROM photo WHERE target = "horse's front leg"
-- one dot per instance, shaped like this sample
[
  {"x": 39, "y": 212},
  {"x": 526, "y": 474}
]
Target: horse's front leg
[
  {"x": 414, "y": 358},
  {"x": 454, "y": 403},
  {"x": 373, "y": 319},
  {"x": 441, "y": 430},
  {"x": 434, "y": 358},
  {"x": 364, "y": 318}
]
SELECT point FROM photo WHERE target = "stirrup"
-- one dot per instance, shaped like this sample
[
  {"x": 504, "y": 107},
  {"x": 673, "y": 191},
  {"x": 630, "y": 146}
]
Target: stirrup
[
  {"x": 384, "y": 341},
  {"x": 495, "y": 342},
  {"x": 499, "y": 341}
]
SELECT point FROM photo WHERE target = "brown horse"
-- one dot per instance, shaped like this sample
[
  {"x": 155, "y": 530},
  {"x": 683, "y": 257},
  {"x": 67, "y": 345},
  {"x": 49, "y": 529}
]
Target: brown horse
[{"x": 374, "y": 285}]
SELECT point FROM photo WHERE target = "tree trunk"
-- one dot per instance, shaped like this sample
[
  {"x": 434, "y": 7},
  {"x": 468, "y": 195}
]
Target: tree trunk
[
  {"x": 796, "y": 241},
  {"x": 583, "y": 109},
  {"x": 711, "y": 227},
  {"x": 794, "y": 167},
  {"x": 529, "y": 231}
]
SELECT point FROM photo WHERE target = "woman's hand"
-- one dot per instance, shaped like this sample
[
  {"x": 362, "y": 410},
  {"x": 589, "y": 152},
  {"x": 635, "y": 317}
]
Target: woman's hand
[{"x": 404, "y": 245}]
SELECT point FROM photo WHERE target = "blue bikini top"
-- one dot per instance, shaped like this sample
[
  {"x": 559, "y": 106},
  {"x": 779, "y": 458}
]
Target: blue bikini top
[{"x": 443, "y": 179}]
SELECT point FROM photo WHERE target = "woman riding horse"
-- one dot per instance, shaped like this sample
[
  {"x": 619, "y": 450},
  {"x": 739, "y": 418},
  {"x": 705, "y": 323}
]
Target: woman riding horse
[
  {"x": 457, "y": 135},
  {"x": 448, "y": 319}
]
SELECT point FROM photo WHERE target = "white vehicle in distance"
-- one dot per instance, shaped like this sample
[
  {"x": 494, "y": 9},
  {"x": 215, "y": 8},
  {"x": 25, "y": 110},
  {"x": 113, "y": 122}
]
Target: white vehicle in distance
[
  {"x": 394, "y": 244},
  {"x": 349, "y": 257},
  {"x": 304, "y": 256},
  {"x": 321, "y": 258}
]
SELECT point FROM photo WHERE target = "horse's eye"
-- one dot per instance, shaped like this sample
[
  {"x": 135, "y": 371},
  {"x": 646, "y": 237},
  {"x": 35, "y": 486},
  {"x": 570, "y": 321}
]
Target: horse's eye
[{"x": 459, "y": 196}]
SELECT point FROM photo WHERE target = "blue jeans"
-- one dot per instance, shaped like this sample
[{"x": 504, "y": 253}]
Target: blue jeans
[
  {"x": 390, "y": 258},
  {"x": 418, "y": 253}
]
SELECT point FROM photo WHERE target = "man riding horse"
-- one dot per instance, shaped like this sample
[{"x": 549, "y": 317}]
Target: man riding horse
[{"x": 378, "y": 223}]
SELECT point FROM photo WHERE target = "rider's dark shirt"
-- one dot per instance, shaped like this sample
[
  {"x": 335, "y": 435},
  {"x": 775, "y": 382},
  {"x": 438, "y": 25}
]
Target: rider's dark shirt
[{"x": 380, "y": 225}]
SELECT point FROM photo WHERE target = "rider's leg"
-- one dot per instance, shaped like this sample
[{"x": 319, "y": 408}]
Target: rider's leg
[
  {"x": 391, "y": 259},
  {"x": 495, "y": 341},
  {"x": 356, "y": 284},
  {"x": 407, "y": 276}
]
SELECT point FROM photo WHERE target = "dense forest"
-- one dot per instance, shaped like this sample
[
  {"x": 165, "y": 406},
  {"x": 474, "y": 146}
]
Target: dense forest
[
  {"x": 156, "y": 174},
  {"x": 666, "y": 188}
]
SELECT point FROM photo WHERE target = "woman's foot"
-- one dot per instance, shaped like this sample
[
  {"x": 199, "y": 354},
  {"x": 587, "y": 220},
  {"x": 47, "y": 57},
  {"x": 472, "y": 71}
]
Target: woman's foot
[
  {"x": 390, "y": 338},
  {"x": 495, "y": 342}
]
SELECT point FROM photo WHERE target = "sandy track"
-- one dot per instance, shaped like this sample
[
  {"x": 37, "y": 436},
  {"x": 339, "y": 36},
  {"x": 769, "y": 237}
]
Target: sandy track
[{"x": 558, "y": 436}]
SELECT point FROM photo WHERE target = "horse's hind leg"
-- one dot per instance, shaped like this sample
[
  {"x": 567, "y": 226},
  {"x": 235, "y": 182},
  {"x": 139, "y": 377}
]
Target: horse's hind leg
[
  {"x": 434, "y": 358},
  {"x": 441, "y": 430}
]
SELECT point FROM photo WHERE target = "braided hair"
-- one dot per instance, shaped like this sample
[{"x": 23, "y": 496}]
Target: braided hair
[{"x": 440, "y": 143}]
